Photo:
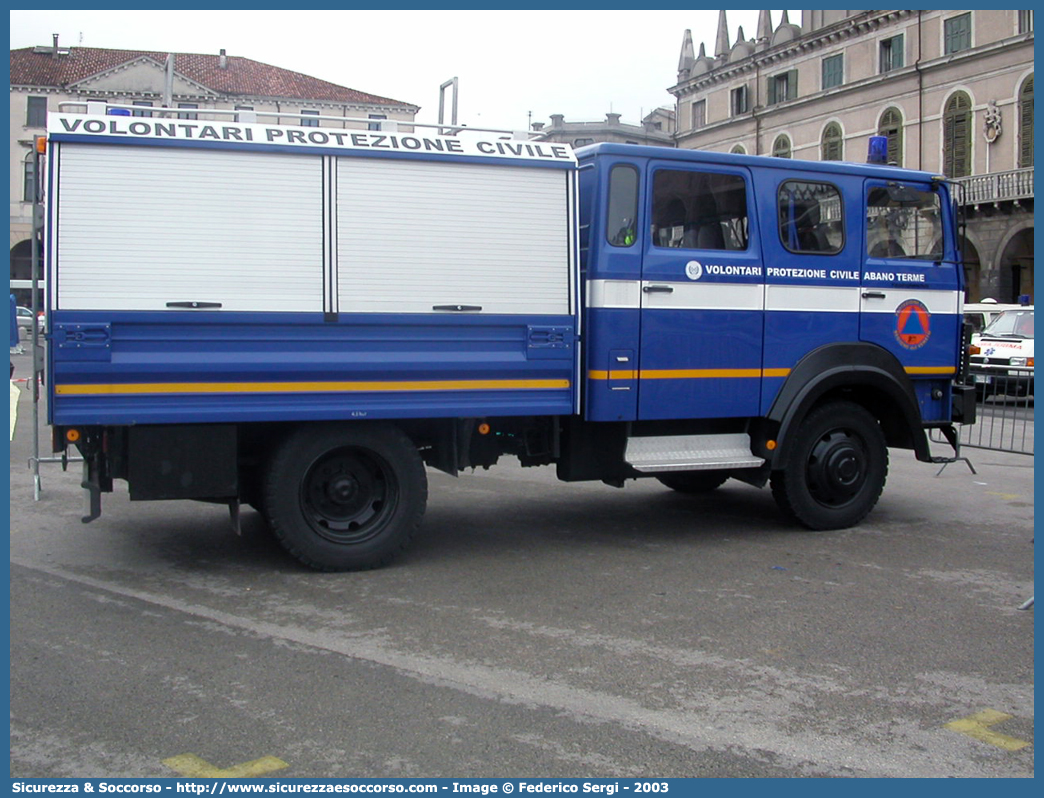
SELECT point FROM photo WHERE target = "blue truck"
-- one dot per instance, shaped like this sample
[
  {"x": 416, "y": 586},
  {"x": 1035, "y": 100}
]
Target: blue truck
[{"x": 306, "y": 319}]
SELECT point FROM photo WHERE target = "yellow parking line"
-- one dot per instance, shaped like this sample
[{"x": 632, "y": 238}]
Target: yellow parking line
[
  {"x": 977, "y": 726},
  {"x": 1006, "y": 496},
  {"x": 194, "y": 767}
]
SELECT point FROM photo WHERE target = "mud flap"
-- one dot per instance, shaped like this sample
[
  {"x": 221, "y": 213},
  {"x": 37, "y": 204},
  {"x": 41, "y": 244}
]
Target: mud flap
[{"x": 92, "y": 487}]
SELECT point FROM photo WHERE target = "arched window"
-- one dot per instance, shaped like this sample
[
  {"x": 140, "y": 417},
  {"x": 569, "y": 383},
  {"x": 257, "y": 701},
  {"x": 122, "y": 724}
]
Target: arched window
[
  {"x": 957, "y": 129},
  {"x": 891, "y": 127},
  {"x": 1026, "y": 123},
  {"x": 738, "y": 149},
  {"x": 781, "y": 147},
  {"x": 832, "y": 147}
]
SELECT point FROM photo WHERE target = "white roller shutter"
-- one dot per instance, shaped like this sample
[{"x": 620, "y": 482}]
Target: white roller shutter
[
  {"x": 141, "y": 227},
  {"x": 413, "y": 235}
]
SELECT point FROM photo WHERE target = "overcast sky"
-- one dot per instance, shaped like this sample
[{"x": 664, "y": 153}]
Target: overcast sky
[{"x": 510, "y": 64}]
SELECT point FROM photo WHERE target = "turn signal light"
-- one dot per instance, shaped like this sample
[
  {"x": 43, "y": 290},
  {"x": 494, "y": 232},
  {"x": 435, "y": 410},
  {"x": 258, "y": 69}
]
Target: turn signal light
[
  {"x": 974, "y": 349},
  {"x": 72, "y": 435},
  {"x": 41, "y": 144},
  {"x": 483, "y": 429}
]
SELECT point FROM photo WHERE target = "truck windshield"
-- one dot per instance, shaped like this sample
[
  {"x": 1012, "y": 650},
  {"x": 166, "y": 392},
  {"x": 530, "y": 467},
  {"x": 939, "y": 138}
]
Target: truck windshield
[{"x": 1011, "y": 324}]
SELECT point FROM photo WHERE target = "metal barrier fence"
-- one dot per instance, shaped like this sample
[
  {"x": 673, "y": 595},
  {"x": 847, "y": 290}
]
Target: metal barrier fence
[{"x": 1004, "y": 416}]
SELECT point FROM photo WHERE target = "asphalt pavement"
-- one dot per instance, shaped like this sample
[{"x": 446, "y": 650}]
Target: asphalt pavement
[{"x": 535, "y": 628}]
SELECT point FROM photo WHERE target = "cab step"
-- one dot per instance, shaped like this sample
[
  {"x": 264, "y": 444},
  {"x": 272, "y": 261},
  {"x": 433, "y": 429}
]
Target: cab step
[{"x": 691, "y": 452}]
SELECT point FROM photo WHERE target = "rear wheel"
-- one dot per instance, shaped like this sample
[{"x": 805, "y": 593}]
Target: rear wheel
[
  {"x": 835, "y": 468},
  {"x": 693, "y": 481},
  {"x": 347, "y": 497}
]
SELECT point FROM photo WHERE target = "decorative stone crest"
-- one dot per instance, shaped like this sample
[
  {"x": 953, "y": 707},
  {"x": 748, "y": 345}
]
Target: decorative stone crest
[{"x": 991, "y": 122}]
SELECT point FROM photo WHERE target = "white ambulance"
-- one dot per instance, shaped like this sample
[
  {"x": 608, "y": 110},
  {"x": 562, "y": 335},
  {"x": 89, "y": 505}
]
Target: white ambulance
[{"x": 1002, "y": 355}]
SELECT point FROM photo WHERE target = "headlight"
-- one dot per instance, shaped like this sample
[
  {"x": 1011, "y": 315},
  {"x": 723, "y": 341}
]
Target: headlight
[{"x": 1018, "y": 361}]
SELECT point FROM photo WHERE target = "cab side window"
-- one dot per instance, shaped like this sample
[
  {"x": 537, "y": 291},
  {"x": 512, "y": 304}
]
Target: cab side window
[
  {"x": 622, "y": 214},
  {"x": 699, "y": 210},
  {"x": 903, "y": 222},
  {"x": 810, "y": 217}
]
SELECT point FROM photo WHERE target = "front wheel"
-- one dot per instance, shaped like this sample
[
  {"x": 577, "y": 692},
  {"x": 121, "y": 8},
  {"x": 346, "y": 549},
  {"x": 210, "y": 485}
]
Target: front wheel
[
  {"x": 835, "y": 469},
  {"x": 345, "y": 497}
]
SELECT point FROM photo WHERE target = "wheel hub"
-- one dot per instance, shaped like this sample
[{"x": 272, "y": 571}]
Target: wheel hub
[
  {"x": 345, "y": 496},
  {"x": 837, "y": 468},
  {"x": 342, "y": 489}
]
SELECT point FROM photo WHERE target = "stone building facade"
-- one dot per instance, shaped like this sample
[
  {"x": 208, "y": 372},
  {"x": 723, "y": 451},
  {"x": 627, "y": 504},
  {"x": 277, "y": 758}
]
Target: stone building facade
[
  {"x": 952, "y": 91},
  {"x": 43, "y": 77},
  {"x": 657, "y": 128}
]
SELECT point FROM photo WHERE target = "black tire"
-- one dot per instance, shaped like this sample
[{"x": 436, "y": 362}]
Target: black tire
[
  {"x": 347, "y": 497},
  {"x": 834, "y": 469},
  {"x": 694, "y": 481}
]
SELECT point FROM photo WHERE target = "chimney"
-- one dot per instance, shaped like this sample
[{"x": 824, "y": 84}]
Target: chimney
[
  {"x": 223, "y": 59},
  {"x": 612, "y": 119},
  {"x": 538, "y": 126},
  {"x": 54, "y": 37},
  {"x": 557, "y": 120},
  {"x": 168, "y": 81}
]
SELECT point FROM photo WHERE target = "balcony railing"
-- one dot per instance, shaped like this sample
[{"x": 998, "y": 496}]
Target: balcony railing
[{"x": 997, "y": 186}]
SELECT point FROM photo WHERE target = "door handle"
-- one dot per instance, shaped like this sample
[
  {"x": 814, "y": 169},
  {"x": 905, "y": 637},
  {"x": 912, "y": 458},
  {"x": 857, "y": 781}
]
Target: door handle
[
  {"x": 658, "y": 289},
  {"x": 874, "y": 295}
]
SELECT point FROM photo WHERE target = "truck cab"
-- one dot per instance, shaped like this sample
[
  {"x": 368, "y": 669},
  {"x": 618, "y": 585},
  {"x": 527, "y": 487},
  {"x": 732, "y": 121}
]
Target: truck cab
[{"x": 730, "y": 298}]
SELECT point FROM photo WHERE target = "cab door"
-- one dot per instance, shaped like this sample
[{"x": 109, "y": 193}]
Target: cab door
[
  {"x": 702, "y": 294},
  {"x": 912, "y": 285},
  {"x": 812, "y": 261}
]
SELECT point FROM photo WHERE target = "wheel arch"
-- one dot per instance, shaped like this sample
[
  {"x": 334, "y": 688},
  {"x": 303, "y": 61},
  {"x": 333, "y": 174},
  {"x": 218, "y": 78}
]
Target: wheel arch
[{"x": 857, "y": 372}]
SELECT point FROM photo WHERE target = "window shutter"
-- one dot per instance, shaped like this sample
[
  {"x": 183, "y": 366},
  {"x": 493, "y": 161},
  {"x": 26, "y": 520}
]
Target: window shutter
[
  {"x": 792, "y": 76},
  {"x": 772, "y": 91},
  {"x": 960, "y": 146},
  {"x": 831, "y": 148},
  {"x": 957, "y": 136},
  {"x": 891, "y": 127},
  {"x": 1026, "y": 124}
]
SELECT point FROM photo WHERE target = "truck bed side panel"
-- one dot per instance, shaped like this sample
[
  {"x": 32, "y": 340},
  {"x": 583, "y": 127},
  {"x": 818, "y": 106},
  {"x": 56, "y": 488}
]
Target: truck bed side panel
[
  {"x": 198, "y": 285},
  {"x": 183, "y": 367}
]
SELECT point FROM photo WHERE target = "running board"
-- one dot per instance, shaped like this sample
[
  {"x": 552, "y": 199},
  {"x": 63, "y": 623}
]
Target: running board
[{"x": 691, "y": 453}]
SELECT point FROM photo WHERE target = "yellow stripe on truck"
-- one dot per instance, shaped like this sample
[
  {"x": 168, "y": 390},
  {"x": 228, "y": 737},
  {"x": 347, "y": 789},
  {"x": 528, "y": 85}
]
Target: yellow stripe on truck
[
  {"x": 699, "y": 374},
  {"x": 685, "y": 374},
  {"x": 101, "y": 389}
]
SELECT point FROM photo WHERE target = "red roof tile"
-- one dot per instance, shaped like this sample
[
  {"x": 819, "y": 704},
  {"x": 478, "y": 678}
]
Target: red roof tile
[{"x": 241, "y": 76}]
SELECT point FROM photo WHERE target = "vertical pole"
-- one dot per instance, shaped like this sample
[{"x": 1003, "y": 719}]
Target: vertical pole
[
  {"x": 35, "y": 255},
  {"x": 442, "y": 103}
]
